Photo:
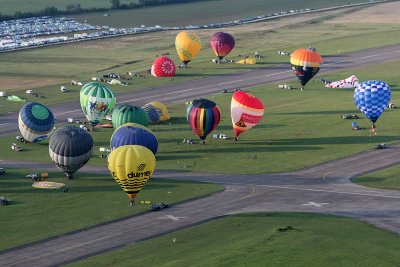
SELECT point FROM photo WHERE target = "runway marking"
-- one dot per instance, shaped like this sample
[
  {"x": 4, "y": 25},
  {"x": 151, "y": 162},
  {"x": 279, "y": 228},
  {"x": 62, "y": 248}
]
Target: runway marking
[
  {"x": 277, "y": 73},
  {"x": 326, "y": 174},
  {"x": 171, "y": 217},
  {"x": 230, "y": 82},
  {"x": 330, "y": 191},
  {"x": 318, "y": 205},
  {"x": 6, "y": 123}
]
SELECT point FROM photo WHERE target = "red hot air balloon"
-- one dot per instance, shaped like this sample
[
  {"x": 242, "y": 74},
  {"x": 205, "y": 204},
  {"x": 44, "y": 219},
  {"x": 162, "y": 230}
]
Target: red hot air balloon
[
  {"x": 203, "y": 116},
  {"x": 163, "y": 67},
  {"x": 246, "y": 112},
  {"x": 222, "y": 43}
]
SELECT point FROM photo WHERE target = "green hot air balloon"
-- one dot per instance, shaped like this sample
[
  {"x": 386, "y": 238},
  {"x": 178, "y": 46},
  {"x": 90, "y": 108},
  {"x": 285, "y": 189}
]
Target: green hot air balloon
[
  {"x": 129, "y": 113},
  {"x": 70, "y": 147},
  {"x": 97, "y": 101}
]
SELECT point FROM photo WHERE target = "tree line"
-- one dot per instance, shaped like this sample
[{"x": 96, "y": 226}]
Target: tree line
[{"x": 72, "y": 9}]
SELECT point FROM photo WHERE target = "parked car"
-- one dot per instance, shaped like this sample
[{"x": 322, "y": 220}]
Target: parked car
[
  {"x": 4, "y": 201},
  {"x": 2, "y": 171},
  {"x": 381, "y": 146}
]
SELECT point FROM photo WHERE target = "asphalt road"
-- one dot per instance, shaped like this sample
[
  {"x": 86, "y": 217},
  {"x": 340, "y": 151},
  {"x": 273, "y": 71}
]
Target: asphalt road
[
  {"x": 205, "y": 87},
  {"x": 325, "y": 188}
]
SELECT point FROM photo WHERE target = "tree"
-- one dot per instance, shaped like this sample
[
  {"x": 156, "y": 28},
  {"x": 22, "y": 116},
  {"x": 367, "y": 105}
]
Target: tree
[{"x": 115, "y": 4}]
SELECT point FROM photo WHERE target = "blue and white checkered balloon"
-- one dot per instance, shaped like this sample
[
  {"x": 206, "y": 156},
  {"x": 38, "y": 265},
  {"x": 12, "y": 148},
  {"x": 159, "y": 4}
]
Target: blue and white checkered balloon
[{"x": 371, "y": 98}]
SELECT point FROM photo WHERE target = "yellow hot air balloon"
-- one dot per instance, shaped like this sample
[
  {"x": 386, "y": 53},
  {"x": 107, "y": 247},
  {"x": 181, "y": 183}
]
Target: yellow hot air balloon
[
  {"x": 188, "y": 45},
  {"x": 248, "y": 61},
  {"x": 131, "y": 166}
]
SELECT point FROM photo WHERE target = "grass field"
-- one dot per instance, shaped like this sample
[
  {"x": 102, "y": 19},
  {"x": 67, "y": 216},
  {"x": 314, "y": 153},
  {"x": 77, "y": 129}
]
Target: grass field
[
  {"x": 385, "y": 179},
  {"x": 254, "y": 240},
  {"x": 304, "y": 128},
  {"x": 35, "y": 214}
]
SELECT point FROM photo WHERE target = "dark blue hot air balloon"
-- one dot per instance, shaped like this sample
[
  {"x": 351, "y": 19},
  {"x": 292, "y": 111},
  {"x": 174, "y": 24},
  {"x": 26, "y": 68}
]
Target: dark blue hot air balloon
[
  {"x": 134, "y": 134},
  {"x": 371, "y": 98}
]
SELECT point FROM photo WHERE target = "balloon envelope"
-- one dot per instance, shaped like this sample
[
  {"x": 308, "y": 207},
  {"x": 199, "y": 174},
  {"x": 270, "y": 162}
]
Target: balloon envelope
[
  {"x": 129, "y": 113},
  {"x": 371, "y": 98},
  {"x": 70, "y": 148},
  {"x": 163, "y": 67},
  {"x": 187, "y": 45},
  {"x": 247, "y": 61},
  {"x": 97, "y": 101},
  {"x": 246, "y": 111},
  {"x": 222, "y": 43},
  {"x": 203, "y": 116},
  {"x": 152, "y": 113},
  {"x": 305, "y": 64},
  {"x": 131, "y": 166},
  {"x": 350, "y": 82},
  {"x": 35, "y": 122},
  {"x": 134, "y": 134},
  {"x": 161, "y": 110}
]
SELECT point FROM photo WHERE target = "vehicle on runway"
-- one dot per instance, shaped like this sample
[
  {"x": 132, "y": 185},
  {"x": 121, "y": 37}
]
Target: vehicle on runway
[{"x": 157, "y": 207}]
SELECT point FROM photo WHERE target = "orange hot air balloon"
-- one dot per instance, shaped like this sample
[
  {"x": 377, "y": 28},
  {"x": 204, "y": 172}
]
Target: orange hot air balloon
[
  {"x": 305, "y": 64},
  {"x": 246, "y": 112}
]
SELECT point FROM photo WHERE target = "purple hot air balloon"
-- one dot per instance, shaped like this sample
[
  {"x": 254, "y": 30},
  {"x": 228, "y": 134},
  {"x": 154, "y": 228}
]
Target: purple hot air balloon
[{"x": 222, "y": 43}]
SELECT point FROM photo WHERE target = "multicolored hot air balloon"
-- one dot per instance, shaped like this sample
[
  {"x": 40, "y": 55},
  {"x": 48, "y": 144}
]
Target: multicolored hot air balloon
[
  {"x": 305, "y": 64},
  {"x": 203, "y": 116},
  {"x": 35, "y": 122},
  {"x": 160, "y": 108},
  {"x": 70, "y": 148},
  {"x": 246, "y": 112},
  {"x": 371, "y": 98},
  {"x": 129, "y": 113},
  {"x": 134, "y": 134},
  {"x": 187, "y": 45},
  {"x": 97, "y": 101},
  {"x": 163, "y": 67},
  {"x": 222, "y": 43},
  {"x": 131, "y": 166}
]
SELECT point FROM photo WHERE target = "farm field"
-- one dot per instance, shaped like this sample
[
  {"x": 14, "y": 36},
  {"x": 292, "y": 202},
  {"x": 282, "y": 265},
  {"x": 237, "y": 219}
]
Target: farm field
[{"x": 314, "y": 240}]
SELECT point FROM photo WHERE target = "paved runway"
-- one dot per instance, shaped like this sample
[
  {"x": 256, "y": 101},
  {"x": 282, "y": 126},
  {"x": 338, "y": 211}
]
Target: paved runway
[{"x": 324, "y": 188}]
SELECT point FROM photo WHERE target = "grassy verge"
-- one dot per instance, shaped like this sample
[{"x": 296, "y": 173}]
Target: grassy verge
[
  {"x": 35, "y": 214},
  {"x": 385, "y": 179},
  {"x": 255, "y": 240},
  {"x": 299, "y": 129}
]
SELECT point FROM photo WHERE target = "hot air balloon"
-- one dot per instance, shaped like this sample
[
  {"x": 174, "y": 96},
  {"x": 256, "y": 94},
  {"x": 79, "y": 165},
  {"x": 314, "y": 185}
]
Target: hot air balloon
[
  {"x": 371, "y": 98},
  {"x": 35, "y": 122},
  {"x": 305, "y": 64},
  {"x": 152, "y": 113},
  {"x": 222, "y": 43},
  {"x": 97, "y": 101},
  {"x": 70, "y": 148},
  {"x": 246, "y": 112},
  {"x": 350, "y": 82},
  {"x": 163, "y": 67},
  {"x": 134, "y": 134},
  {"x": 131, "y": 166},
  {"x": 161, "y": 110},
  {"x": 247, "y": 61},
  {"x": 129, "y": 113},
  {"x": 187, "y": 45},
  {"x": 203, "y": 116}
]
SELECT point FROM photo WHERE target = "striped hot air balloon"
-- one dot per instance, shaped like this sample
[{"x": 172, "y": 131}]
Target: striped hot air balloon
[
  {"x": 246, "y": 112},
  {"x": 305, "y": 64},
  {"x": 70, "y": 148},
  {"x": 97, "y": 101},
  {"x": 129, "y": 113},
  {"x": 35, "y": 122},
  {"x": 131, "y": 166},
  {"x": 134, "y": 134},
  {"x": 203, "y": 116},
  {"x": 187, "y": 45}
]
